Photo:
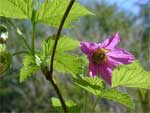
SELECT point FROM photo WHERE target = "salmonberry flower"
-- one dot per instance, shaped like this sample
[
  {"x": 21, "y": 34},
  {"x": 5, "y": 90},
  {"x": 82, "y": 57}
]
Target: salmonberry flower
[{"x": 104, "y": 57}]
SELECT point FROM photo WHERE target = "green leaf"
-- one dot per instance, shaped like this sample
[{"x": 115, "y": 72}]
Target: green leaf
[
  {"x": 117, "y": 96},
  {"x": 66, "y": 63},
  {"x": 90, "y": 84},
  {"x": 29, "y": 67},
  {"x": 65, "y": 43},
  {"x": 52, "y": 12},
  {"x": 18, "y": 9},
  {"x": 72, "y": 107},
  {"x": 131, "y": 75},
  {"x": 142, "y": 93}
]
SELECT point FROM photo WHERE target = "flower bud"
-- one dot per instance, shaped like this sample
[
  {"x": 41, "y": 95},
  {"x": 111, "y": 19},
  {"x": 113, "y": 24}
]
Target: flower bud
[
  {"x": 5, "y": 58},
  {"x": 3, "y": 34}
]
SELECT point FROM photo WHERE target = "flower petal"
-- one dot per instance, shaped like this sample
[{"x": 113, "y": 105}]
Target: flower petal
[
  {"x": 120, "y": 56},
  {"x": 93, "y": 68},
  {"x": 111, "y": 43},
  {"x": 88, "y": 47},
  {"x": 106, "y": 73}
]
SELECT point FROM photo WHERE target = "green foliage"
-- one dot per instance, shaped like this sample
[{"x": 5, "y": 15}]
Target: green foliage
[
  {"x": 72, "y": 107},
  {"x": 143, "y": 93},
  {"x": 51, "y": 12},
  {"x": 92, "y": 85},
  {"x": 62, "y": 45},
  {"x": 29, "y": 67},
  {"x": 117, "y": 96},
  {"x": 63, "y": 62},
  {"x": 18, "y": 9},
  {"x": 131, "y": 75},
  {"x": 96, "y": 87},
  {"x": 68, "y": 63}
]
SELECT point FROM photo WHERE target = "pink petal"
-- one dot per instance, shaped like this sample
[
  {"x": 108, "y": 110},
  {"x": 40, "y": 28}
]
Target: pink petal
[
  {"x": 120, "y": 56},
  {"x": 111, "y": 43},
  {"x": 106, "y": 73},
  {"x": 88, "y": 47},
  {"x": 93, "y": 68}
]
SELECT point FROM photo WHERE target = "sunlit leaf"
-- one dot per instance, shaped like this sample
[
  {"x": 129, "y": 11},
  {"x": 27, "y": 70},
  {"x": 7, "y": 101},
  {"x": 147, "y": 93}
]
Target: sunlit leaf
[
  {"x": 18, "y": 9},
  {"x": 117, "y": 96},
  {"x": 90, "y": 84},
  {"x": 64, "y": 62},
  {"x": 29, "y": 68},
  {"x": 65, "y": 43},
  {"x": 51, "y": 12},
  {"x": 68, "y": 64},
  {"x": 131, "y": 75},
  {"x": 72, "y": 107}
]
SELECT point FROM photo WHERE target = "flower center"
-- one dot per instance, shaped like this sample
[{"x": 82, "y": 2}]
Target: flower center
[{"x": 99, "y": 56}]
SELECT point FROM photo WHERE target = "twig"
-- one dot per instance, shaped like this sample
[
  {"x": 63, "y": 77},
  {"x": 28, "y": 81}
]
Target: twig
[
  {"x": 19, "y": 52},
  {"x": 19, "y": 33},
  {"x": 50, "y": 72}
]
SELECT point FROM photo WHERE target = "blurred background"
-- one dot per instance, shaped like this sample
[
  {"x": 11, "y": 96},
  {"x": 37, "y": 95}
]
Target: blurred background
[{"x": 131, "y": 18}]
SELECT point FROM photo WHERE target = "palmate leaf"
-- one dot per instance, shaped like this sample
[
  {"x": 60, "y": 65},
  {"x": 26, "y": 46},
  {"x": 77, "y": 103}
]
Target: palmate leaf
[
  {"x": 96, "y": 87},
  {"x": 64, "y": 62},
  {"x": 18, "y": 9},
  {"x": 65, "y": 43},
  {"x": 68, "y": 64},
  {"x": 29, "y": 67},
  {"x": 131, "y": 75},
  {"x": 72, "y": 107},
  {"x": 51, "y": 12},
  {"x": 90, "y": 84},
  {"x": 117, "y": 96}
]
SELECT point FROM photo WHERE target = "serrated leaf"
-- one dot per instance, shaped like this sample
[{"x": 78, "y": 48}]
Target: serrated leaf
[
  {"x": 93, "y": 85},
  {"x": 63, "y": 62},
  {"x": 65, "y": 43},
  {"x": 117, "y": 96},
  {"x": 52, "y": 12},
  {"x": 18, "y": 9},
  {"x": 131, "y": 75},
  {"x": 29, "y": 67},
  {"x": 68, "y": 64},
  {"x": 72, "y": 107}
]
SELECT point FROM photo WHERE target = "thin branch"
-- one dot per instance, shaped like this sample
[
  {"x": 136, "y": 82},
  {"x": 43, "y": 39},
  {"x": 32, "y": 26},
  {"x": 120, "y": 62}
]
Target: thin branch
[
  {"x": 58, "y": 35},
  {"x": 19, "y": 52},
  {"x": 50, "y": 72},
  {"x": 19, "y": 33}
]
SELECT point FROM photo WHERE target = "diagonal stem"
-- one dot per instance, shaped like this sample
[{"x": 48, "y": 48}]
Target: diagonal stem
[
  {"x": 50, "y": 72},
  {"x": 58, "y": 34},
  {"x": 19, "y": 33}
]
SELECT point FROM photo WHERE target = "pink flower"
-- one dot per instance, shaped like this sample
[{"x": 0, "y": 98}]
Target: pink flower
[{"x": 105, "y": 56}]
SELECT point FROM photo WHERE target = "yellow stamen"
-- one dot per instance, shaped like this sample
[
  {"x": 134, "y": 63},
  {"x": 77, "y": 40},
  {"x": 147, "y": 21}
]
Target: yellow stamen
[{"x": 99, "y": 56}]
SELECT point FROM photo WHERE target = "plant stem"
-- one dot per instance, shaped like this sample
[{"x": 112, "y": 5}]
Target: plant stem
[
  {"x": 20, "y": 52},
  {"x": 19, "y": 33},
  {"x": 50, "y": 72},
  {"x": 59, "y": 95},
  {"x": 85, "y": 101},
  {"x": 58, "y": 34},
  {"x": 93, "y": 108}
]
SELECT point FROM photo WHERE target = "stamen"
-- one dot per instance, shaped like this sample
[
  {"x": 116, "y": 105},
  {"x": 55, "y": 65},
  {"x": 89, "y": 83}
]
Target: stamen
[{"x": 99, "y": 56}]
